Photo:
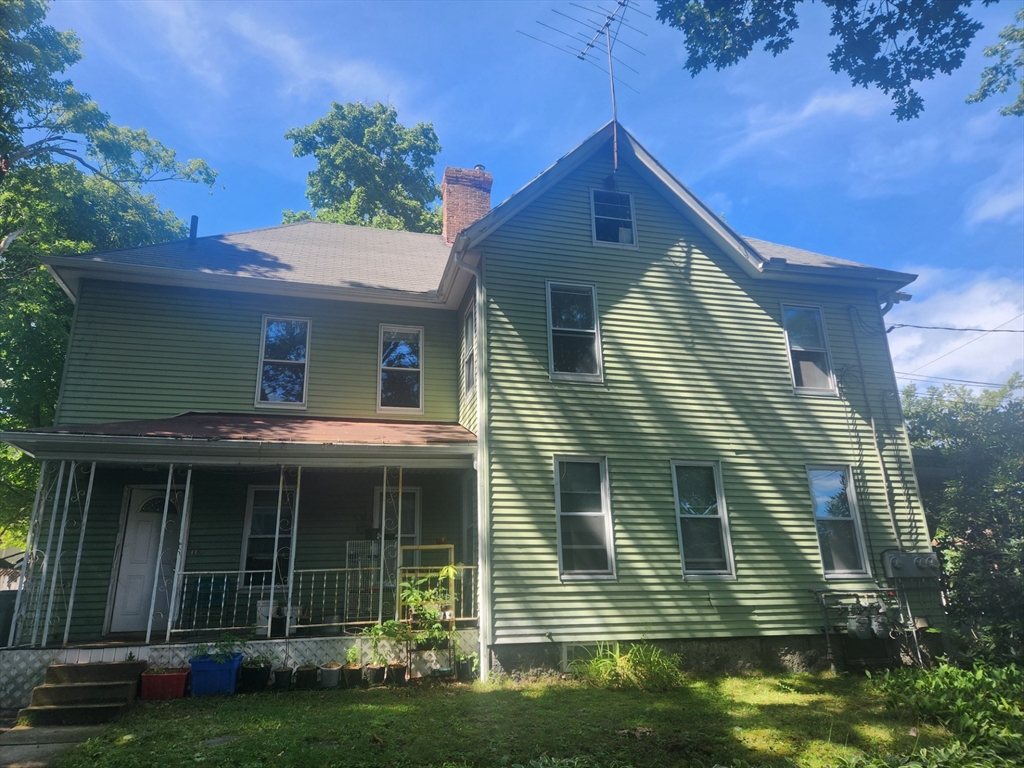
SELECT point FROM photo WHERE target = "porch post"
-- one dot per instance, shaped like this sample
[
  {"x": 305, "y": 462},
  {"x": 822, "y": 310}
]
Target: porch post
[
  {"x": 159, "y": 553},
  {"x": 46, "y": 557},
  {"x": 291, "y": 554},
  {"x": 398, "y": 544},
  {"x": 273, "y": 562},
  {"x": 179, "y": 558},
  {"x": 33, "y": 525},
  {"x": 383, "y": 515},
  {"x": 78, "y": 556},
  {"x": 60, "y": 545}
]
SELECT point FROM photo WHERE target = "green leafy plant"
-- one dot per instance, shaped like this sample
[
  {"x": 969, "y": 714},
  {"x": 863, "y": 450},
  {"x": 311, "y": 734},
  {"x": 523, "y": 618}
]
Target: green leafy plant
[
  {"x": 387, "y": 639},
  {"x": 982, "y": 705},
  {"x": 258, "y": 660},
  {"x": 642, "y": 666},
  {"x": 222, "y": 650},
  {"x": 353, "y": 656}
]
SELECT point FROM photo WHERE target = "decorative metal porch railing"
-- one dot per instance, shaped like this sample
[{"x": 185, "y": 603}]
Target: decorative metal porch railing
[{"x": 324, "y": 601}]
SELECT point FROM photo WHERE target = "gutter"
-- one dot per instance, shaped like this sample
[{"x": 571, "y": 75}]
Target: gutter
[{"x": 482, "y": 463}]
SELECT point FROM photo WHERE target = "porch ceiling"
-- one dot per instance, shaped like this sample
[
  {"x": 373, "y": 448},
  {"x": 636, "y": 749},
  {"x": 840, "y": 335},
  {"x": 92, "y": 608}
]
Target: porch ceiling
[{"x": 254, "y": 439}]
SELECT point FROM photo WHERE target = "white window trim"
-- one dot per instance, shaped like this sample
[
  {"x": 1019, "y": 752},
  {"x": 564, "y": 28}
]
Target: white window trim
[
  {"x": 606, "y": 511},
  {"x": 469, "y": 348},
  {"x": 245, "y": 535},
  {"x": 305, "y": 376},
  {"x": 380, "y": 366},
  {"x": 831, "y": 391},
  {"x": 723, "y": 514},
  {"x": 858, "y": 530},
  {"x": 635, "y": 246},
  {"x": 564, "y": 375}
]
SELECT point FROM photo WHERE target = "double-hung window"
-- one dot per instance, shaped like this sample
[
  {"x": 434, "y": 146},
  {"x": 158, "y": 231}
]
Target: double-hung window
[
  {"x": 809, "y": 358},
  {"x": 261, "y": 522},
  {"x": 840, "y": 538},
  {"x": 574, "y": 339},
  {"x": 401, "y": 369},
  {"x": 701, "y": 517},
  {"x": 469, "y": 350},
  {"x": 585, "y": 546},
  {"x": 613, "y": 218},
  {"x": 284, "y": 355}
]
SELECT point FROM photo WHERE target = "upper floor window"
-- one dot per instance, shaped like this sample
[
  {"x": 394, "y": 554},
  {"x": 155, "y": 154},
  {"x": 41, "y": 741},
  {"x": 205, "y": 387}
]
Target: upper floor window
[
  {"x": 808, "y": 349},
  {"x": 283, "y": 362},
  {"x": 401, "y": 368},
  {"x": 835, "y": 519},
  {"x": 469, "y": 350},
  {"x": 585, "y": 547},
  {"x": 703, "y": 527},
  {"x": 574, "y": 340},
  {"x": 613, "y": 217}
]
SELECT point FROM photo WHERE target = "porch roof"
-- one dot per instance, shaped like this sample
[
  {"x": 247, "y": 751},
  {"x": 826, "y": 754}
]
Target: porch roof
[{"x": 254, "y": 439}]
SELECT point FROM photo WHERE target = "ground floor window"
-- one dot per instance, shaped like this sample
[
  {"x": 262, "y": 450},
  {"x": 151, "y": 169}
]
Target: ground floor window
[
  {"x": 585, "y": 546},
  {"x": 835, "y": 518},
  {"x": 258, "y": 553},
  {"x": 701, "y": 516}
]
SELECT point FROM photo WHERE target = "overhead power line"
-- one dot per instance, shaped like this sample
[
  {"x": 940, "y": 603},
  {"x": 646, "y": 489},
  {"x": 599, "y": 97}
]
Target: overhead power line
[
  {"x": 946, "y": 328},
  {"x": 922, "y": 377},
  {"x": 955, "y": 349}
]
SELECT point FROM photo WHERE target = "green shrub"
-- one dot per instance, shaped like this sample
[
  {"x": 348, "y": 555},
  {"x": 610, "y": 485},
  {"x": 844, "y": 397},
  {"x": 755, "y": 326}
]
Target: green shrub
[
  {"x": 983, "y": 705},
  {"x": 645, "y": 667}
]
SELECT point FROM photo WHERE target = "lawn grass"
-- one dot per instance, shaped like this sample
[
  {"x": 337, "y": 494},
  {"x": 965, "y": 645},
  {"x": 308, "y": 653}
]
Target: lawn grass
[{"x": 813, "y": 720}]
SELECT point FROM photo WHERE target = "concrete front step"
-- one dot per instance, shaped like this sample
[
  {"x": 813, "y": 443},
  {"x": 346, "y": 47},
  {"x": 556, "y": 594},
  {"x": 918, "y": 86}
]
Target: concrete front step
[
  {"x": 76, "y": 714},
  {"x": 96, "y": 672},
  {"x": 84, "y": 693}
]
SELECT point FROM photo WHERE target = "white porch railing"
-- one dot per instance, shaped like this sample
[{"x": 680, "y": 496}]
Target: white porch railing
[{"x": 324, "y": 601}]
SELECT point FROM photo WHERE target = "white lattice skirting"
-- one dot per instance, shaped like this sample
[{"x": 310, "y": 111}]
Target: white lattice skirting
[{"x": 23, "y": 670}]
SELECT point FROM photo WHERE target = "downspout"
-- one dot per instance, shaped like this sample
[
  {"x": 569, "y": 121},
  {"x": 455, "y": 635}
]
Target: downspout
[{"x": 482, "y": 464}]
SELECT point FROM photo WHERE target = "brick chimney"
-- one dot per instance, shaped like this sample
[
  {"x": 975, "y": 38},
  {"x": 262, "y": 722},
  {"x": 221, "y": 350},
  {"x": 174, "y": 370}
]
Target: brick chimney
[{"x": 466, "y": 197}]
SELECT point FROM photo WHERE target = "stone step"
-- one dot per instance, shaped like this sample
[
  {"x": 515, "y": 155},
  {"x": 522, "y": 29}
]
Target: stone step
[
  {"x": 96, "y": 672},
  {"x": 76, "y": 714},
  {"x": 117, "y": 692}
]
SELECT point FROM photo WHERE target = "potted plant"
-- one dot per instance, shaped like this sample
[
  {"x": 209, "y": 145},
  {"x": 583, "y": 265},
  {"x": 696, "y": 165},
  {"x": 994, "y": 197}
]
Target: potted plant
[
  {"x": 373, "y": 672},
  {"x": 399, "y": 634},
  {"x": 353, "y": 669},
  {"x": 215, "y": 667},
  {"x": 466, "y": 665},
  {"x": 431, "y": 608},
  {"x": 164, "y": 683},
  {"x": 330, "y": 674},
  {"x": 283, "y": 678},
  {"x": 305, "y": 678},
  {"x": 255, "y": 674}
]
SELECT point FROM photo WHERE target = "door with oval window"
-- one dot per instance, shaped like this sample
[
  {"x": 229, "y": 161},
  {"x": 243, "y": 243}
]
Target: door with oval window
[{"x": 137, "y": 567}]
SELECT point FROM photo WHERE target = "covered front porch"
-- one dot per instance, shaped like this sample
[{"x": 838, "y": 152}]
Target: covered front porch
[{"x": 280, "y": 538}]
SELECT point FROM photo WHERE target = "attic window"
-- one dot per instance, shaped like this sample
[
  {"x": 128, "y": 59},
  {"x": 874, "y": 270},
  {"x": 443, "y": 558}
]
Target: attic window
[
  {"x": 283, "y": 362},
  {"x": 613, "y": 217}
]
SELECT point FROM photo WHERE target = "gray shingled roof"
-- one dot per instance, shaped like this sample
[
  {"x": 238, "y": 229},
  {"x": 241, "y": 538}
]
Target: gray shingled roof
[
  {"x": 309, "y": 252},
  {"x": 799, "y": 256}
]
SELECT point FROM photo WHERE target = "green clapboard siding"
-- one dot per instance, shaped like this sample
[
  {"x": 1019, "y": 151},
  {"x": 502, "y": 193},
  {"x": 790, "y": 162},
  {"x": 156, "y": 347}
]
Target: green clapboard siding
[
  {"x": 146, "y": 351},
  {"x": 467, "y": 403},
  {"x": 695, "y": 367}
]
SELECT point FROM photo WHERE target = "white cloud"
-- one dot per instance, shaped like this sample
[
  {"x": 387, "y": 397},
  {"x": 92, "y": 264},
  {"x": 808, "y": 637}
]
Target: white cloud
[
  {"x": 187, "y": 32},
  {"x": 1000, "y": 197},
  {"x": 959, "y": 298}
]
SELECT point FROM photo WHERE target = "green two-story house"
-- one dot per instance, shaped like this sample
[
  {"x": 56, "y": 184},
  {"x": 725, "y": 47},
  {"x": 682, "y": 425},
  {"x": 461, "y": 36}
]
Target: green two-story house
[{"x": 617, "y": 416}]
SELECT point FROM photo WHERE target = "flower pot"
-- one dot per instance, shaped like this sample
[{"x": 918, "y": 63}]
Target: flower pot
[
  {"x": 164, "y": 683},
  {"x": 330, "y": 674},
  {"x": 395, "y": 674},
  {"x": 464, "y": 671},
  {"x": 352, "y": 674},
  {"x": 305, "y": 678},
  {"x": 211, "y": 677},
  {"x": 283, "y": 679},
  {"x": 373, "y": 674},
  {"x": 254, "y": 679}
]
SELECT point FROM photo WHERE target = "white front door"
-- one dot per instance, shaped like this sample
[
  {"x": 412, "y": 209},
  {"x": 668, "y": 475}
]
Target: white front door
[{"x": 138, "y": 567}]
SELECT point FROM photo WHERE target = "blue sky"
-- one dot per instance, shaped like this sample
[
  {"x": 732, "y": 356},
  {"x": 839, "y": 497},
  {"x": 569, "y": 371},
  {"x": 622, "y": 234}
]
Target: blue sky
[{"x": 785, "y": 149}]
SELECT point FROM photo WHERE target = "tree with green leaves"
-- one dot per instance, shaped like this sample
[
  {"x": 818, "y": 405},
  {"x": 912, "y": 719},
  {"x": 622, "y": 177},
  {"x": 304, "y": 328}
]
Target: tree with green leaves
[
  {"x": 998, "y": 77},
  {"x": 891, "y": 44},
  {"x": 70, "y": 182},
  {"x": 977, "y": 512},
  {"x": 370, "y": 170}
]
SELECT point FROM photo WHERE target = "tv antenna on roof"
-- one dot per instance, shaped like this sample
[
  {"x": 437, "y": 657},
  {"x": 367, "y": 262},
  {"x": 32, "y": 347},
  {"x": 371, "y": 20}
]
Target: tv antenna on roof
[{"x": 599, "y": 22}]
